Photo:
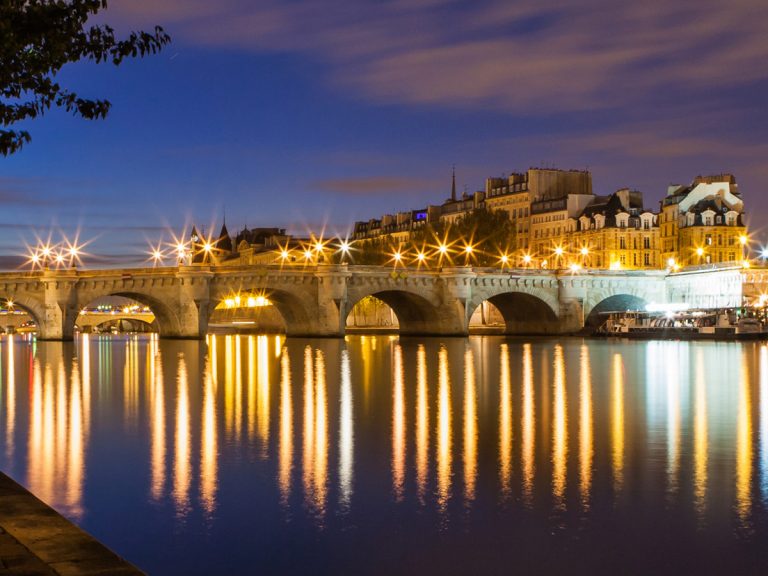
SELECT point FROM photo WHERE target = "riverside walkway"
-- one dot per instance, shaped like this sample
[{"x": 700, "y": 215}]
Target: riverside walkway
[{"x": 35, "y": 540}]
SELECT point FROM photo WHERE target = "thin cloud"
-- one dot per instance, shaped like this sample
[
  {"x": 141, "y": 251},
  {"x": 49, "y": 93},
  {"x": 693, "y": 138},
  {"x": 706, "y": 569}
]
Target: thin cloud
[{"x": 372, "y": 185}]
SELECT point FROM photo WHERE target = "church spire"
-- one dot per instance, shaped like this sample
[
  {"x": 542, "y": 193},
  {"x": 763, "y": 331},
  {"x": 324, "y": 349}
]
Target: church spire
[{"x": 453, "y": 184}]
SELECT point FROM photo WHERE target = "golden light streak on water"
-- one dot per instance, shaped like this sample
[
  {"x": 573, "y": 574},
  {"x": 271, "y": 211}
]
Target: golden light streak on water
[
  {"x": 213, "y": 355},
  {"x": 398, "y": 424},
  {"x": 85, "y": 369},
  {"x": 744, "y": 445},
  {"x": 10, "y": 417},
  {"x": 61, "y": 426},
  {"x": 470, "y": 427},
  {"x": 182, "y": 472},
  {"x": 764, "y": 421},
  {"x": 505, "y": 423},
  {"x": 35, "y": 455},
  {"x": 700, "y": 438},
  {"x": 321, "y": 438},
  {"x": 229, "y": 386},
  {"x": 238, "y": 385},
  {"x": 76, "y": 448},
  {"x": 131, "y": 383},
  {"x": 673, "y": 419},
  {"x": 444, "y": 432},
  {"x": 586, "y": 442},
  {"x": 617, "y": 423},
  {"x": 209, "y": 446},
  {"x": 559, "y": 430},
  {"x": 48, "y": 456},
  {"x": 308, "y": 464},
  {"x": 285, "y": 455},
  {"x": 157, "y": 430},
  {"x": 278, "y": 346},
  {"x": 251, "y": 387},
  {"x": 422, "y": 423},
  {"x": 346, "y": 434},
  {"x": 263, "y": 412},
  {"x": 528, "y": 426}
]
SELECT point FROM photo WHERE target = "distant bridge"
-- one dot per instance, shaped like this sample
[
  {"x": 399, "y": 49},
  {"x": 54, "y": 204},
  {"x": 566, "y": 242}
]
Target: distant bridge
[{"x": 315, "y": 300}]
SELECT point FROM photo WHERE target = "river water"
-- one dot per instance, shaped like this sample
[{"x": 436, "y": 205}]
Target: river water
[{"x": 387, "y": 455}]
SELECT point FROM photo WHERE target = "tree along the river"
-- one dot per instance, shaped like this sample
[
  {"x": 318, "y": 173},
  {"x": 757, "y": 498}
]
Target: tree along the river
[{"x": 37, "y": 38}]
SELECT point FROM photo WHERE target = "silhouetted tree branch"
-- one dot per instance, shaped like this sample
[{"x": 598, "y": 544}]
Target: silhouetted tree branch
[{"x": 37, "y": 38}]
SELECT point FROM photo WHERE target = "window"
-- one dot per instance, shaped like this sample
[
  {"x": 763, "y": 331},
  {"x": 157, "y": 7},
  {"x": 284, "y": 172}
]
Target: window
[
  {"x": 647, "y": 224},
  {"x": 647, "y": 243},
  {"x": 708, "y": 240},
  {"x": 646, "y": 259},
  {"x": 623, "y": 243}
]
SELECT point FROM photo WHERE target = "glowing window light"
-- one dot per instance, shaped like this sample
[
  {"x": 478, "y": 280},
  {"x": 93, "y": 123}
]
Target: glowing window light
[
  {"x": 615, "y": 265},
  {"x": 237, "y": 300},
  {"x": 229, "y": 302},
  {"x": 699, "y": 251},
  {"x": 584, "y": 251},
  {"x": 558, "y": 251},
  {"x": 251, "y": 302}
]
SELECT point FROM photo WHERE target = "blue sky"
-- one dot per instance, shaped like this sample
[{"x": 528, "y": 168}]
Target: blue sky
[{"x": 306, "y": 113}]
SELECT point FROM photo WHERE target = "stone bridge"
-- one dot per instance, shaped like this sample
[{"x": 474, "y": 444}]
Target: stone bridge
[{"x": 315, "y": 300}]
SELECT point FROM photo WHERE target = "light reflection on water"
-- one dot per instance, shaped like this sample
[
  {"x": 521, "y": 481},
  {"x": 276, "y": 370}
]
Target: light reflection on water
[{"x": 570, "y": 451}]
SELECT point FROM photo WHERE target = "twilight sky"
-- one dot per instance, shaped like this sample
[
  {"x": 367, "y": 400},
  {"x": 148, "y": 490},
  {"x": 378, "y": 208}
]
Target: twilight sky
[{"x": 302, "y": 113}]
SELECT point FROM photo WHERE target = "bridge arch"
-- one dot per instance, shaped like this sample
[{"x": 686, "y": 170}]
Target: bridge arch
[
  {"x": 613, "y": 303},
  {"x": 415, "y": 313},
  {"x": 34, "y": 308},
  {"x": 167, "y": 321},
  {"x": 132, "y": 323},
  {"x": 523, "y": 313},
  {"x": 292, "y": 307}
]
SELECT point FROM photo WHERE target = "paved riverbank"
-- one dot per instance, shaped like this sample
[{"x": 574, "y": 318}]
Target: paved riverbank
[{"x": 37, "y": 540}]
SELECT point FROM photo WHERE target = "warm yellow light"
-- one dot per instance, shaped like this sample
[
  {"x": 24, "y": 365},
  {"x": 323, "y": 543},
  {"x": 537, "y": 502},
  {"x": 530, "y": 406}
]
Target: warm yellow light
[
  {"x": 527, "y": 258},
  {"x": 284, "y": 254},
  {"x": 251, "y": 302},
  {"x": 504, "y": 258},
  {"x": 35, "y": 258},
  {"x": 615, "y": 265},
  {"x": 558, "y": 251},
  {"x": 397, "y": 256},
  {"x": 760, "y": 302},
  {"x": 743, "y": 239},
  {"x": 9, "y": 303},
  {"x": 468, "y": 249},
  {"x": 421, "y": 256},
  {"x": 46, "y": 251},
  {"x": 575, "y": 267},
  {"x": 207, "y": 247},
  {"x": 344, "y": 246},
  {"x": 443, "y": 249},
  {"x": 237, "y": 300},
  {"x": 318, "y": 246},
  {"x": 126, "y": 310},
  {"x": 229, "y": 303},
  {"x": 157, "y": 255},
  {"x": 745, "y": 264},
  {"x": 73, "y": 251},
  {"x": 699, "y": 251},
  {"x": 671, "y": 262},
  {"x": 181, "y": 248},
  {"x": 59, "y": 258},
  {"x": 584, "y": 251},
  {"x": 308, "y": 254}
]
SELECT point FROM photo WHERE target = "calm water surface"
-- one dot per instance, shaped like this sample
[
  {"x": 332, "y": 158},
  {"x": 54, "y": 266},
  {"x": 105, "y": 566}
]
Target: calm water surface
[{"x": 379, "y": 455}]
